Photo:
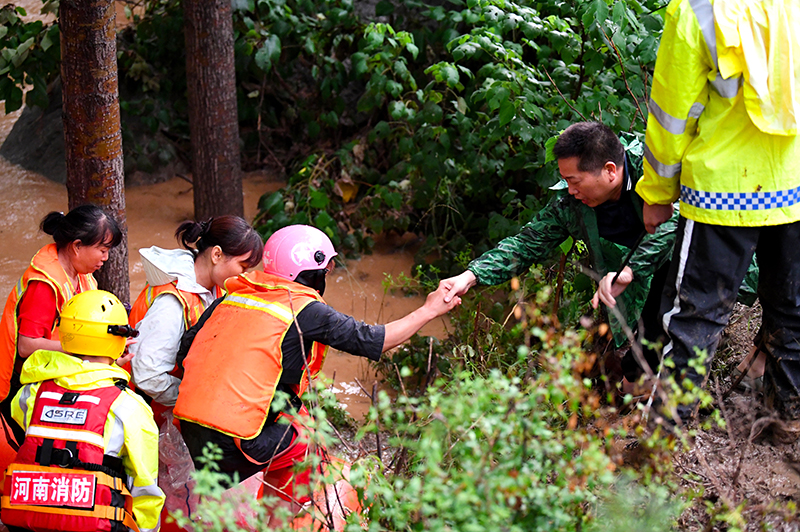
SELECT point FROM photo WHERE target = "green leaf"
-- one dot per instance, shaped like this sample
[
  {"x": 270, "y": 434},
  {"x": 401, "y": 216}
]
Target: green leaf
[
  {"x": 271, "y": 204},
  {"x": 262, "y": 59},
  {"x": 14, "y": 99},
  {"x": 449, "y": 74},
  {"x": 548, "y": 148},
  {"x": 22, "y": 52},
  {"x": 507, "y": 112},
  {"x": 318, "y": 199},
  {"x": 412, "y": 49},
  {"x": 273, "y": 46},
  {"x": 566, "y": 245}
]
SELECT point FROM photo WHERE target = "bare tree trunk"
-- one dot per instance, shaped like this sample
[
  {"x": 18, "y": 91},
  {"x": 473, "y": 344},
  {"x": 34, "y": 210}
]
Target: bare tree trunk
[
  {"x": 213, "y": 119},
  {"x": 92, "y": 129}
]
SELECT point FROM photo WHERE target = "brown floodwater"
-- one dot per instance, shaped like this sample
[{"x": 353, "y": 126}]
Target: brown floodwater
[{"x": 153, "y": 213}]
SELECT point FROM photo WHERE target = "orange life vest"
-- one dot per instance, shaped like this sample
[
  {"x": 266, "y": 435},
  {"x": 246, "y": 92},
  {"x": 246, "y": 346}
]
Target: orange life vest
[
  {"x": 193, "y": 305},
  {"x": 61, "y": 479},
  {"x": 44, "y": 268},
  {"x": 193, "y": 308},
  {"x": 236, "y": 362}
]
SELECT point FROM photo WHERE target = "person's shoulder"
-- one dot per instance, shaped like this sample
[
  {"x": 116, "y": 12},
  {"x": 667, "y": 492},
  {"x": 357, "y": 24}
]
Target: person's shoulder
[{"x": 132, "y": 403}]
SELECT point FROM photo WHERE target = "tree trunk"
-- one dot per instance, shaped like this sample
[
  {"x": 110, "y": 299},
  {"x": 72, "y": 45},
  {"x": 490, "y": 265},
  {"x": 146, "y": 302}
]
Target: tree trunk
[
  {"x": 92, "y": 130},
  {"x": 213, "y": 119}
]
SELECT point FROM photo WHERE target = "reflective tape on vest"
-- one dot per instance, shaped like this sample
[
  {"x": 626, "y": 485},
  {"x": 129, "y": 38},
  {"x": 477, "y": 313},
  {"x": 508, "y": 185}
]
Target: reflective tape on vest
[
  {"x": 740, "y": 201},
  {"x": 85, "y": 436},
  {"x": 275, "y": 309}
]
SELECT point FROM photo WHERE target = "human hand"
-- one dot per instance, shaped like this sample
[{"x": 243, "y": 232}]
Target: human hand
[
  {"x": 437, "y": 302},
  {"x": 127, "y": 356},
  {"x": 655, "y": 215},
  {"x": 607, "y": 292},
  {"x": 458, "y": 285}
]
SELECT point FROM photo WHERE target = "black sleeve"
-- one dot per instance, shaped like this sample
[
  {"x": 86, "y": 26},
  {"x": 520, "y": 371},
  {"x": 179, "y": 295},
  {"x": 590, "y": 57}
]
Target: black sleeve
[{"x": 323, "y": 324}]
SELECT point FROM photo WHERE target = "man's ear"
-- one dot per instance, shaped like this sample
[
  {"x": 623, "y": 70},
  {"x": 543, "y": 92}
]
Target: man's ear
[{"x": 611, "y": 171}]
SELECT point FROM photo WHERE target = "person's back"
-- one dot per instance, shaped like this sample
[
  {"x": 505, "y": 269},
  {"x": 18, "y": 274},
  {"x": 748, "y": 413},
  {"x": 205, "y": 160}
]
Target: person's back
[
  {"x": 722, "y": 136},
  {"x": 91, "y": 446}
]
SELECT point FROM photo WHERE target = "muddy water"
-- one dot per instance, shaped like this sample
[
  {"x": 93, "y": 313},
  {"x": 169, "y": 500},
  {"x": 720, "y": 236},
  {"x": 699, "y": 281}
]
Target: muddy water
[{"x": 153, "y": 213}]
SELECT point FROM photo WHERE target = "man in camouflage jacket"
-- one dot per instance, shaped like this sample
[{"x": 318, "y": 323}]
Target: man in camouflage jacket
[{"x": 595, "y": 202}]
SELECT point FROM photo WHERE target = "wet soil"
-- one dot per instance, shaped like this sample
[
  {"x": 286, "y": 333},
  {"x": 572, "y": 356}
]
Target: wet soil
[{"x": 747, "y": 463}]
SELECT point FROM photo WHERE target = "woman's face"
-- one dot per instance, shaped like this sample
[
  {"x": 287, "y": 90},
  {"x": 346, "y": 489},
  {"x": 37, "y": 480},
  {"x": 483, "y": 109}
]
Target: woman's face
[
  {"x": 88, "y": 259},
  {"x": 228, "y": 266}
]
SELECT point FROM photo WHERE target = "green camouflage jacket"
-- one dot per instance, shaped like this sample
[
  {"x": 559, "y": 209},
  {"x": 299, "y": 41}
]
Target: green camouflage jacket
[{"x": 564, "y": 216}]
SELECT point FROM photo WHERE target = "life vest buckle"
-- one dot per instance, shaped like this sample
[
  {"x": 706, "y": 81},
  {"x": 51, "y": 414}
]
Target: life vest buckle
[
  {"x": 69, "y": 398},
  {"x": 63, "y": 458}
]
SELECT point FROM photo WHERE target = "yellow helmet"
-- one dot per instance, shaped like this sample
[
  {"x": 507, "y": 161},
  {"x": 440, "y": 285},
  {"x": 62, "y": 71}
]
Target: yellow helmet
[{"x": 94, "y": 323}]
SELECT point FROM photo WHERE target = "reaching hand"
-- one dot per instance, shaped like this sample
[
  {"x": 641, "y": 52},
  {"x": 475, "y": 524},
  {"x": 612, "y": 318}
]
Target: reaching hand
[
  {"x": 607, "y": 293},
  {"x": 437, "y": 301},
  {"x": 127, "y": 356},
  {"x": 655, "y": 215},
  {"x": 458, "y": 285}
]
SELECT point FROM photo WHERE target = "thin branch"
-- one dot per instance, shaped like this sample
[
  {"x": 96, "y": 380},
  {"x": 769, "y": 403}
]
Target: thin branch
[{"x": 562, "y": 96}]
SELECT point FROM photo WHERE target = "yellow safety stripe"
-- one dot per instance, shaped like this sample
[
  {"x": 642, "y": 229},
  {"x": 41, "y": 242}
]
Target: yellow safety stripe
[{"x": 282, "y": 312}]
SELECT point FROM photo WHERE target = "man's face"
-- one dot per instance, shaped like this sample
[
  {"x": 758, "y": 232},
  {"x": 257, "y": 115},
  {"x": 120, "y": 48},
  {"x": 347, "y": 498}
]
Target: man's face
[{"x": 592, "y": 189}]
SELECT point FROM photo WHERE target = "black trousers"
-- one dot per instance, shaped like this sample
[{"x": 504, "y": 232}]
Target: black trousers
[{"x": 707, "y": 269}]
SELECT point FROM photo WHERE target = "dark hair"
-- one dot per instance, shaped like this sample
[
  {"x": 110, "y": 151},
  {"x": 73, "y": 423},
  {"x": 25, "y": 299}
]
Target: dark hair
[
  {"x": 87, "y": 223},
  {"x": 231, "y": 233},
  {"x": 593, "y": 143}
]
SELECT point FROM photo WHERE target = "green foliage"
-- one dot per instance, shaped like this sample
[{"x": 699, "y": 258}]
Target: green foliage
[
  {"x": 463, "y": 127},
  {"x": 30, "y": 57},
  {"x": 512, "y": 450}
]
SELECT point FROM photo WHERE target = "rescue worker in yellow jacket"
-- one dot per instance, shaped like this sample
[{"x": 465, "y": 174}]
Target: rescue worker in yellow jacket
[
  {"x": 722, "y": 137},
  {"x": 82, "y": 421},
  {"x": 271, "y": 332}
]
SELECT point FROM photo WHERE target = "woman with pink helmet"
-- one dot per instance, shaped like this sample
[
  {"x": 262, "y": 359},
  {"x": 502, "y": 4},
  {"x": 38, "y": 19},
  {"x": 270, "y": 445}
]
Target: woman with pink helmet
[{"x": 271, "y": 332}]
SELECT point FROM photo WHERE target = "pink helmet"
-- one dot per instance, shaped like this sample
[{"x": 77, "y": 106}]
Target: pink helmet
[{"x": 297, "y": 248}]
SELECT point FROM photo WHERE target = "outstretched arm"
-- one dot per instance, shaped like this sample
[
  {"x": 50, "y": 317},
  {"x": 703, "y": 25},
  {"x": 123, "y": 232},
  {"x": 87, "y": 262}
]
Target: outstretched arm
[{"x": 435, "y": 305}]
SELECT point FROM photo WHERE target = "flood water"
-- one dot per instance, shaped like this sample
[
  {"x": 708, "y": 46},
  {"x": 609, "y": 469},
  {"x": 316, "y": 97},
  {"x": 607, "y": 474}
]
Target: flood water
[{"x": 154, "y": 212}]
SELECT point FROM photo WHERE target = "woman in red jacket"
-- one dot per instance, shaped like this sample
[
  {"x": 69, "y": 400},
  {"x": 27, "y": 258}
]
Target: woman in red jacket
[{"x": 81, "y": 241}]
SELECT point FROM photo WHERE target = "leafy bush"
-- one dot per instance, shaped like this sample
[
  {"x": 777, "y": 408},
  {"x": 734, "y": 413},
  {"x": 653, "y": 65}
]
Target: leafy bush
[
  {"x": 511, "y": 450},
  {"x": 31, "y": 56}
]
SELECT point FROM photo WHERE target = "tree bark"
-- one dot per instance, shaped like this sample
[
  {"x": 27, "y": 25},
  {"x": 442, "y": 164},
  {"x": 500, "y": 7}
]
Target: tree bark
[
  {"x": 92, "y": 129},
  {"x": 213, "y": 118}
]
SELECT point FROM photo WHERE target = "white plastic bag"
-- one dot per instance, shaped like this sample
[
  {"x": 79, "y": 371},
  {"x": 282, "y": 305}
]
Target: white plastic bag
[{"x": 175, "y": 468}]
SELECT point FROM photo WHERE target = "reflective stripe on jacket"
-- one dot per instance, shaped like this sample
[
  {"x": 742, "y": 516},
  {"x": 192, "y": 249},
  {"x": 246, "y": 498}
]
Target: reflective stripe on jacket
[
  {"x": 721, "y": 134},
  {"x": 129, "y": 432},
  {"x": 45, "y": 268},
  {"x": 235, "y": 362}
]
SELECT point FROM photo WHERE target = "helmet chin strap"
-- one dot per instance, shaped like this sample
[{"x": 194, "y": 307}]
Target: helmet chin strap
[{"x": 314, "y": 279}]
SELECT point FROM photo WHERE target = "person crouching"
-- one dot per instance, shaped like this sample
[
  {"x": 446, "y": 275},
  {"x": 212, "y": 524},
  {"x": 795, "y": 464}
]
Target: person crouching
[{"x": 89, "y": 460}]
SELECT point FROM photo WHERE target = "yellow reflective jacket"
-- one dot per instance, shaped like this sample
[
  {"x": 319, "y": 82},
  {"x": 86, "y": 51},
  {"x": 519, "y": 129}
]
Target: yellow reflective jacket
[
  {"x": 130, "y": 432},
  {"x": 722, "y": 129}
]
